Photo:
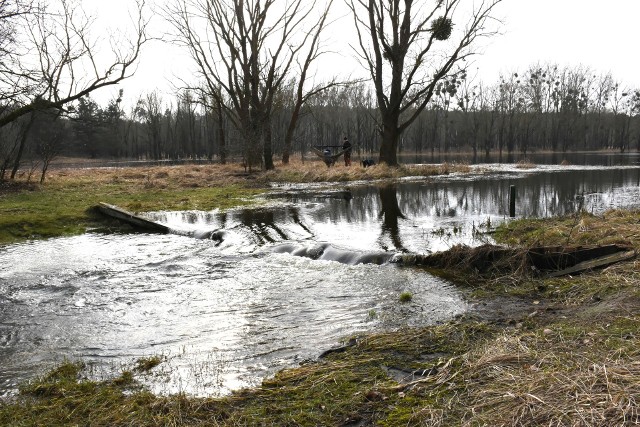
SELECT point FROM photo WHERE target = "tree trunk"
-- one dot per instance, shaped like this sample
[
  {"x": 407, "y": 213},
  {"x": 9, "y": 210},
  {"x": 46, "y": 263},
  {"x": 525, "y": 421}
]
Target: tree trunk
[
  {"x": 389, "y": 144},
  {"x": 23, "y": 142},
  {"x": 266, "y": 149},
  {"x": 288, "y": 139},
  {"x": 221, "y": 135}
]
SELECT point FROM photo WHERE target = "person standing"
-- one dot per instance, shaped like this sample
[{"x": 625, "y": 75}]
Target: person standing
[{"x": 346, "y": 146}]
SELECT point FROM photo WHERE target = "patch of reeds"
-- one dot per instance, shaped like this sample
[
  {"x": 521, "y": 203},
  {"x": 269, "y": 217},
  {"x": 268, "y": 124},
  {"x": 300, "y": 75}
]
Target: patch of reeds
[
  {"x": 525, "y": 164},
  {"x": 613, "y": 227},
  {"x": 317, "y": 171}
]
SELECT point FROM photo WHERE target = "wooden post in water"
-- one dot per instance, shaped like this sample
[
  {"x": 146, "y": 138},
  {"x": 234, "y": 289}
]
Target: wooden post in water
[{"x": 512, "y": 201}]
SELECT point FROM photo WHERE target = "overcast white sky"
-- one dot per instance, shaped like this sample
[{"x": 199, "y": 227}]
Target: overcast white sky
[{"x": 603, "y": 35}]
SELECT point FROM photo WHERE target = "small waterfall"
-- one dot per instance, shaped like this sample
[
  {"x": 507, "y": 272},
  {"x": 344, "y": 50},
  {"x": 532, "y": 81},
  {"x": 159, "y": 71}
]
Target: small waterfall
[{"x": 328, "y": 252}]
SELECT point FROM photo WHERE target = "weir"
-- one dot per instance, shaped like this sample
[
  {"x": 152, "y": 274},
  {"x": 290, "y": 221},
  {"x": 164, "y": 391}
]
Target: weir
[
  {"x": 131, "y": 218},
  {"x": 237, "y": 304},
  {"x": 327, "y": 252}
]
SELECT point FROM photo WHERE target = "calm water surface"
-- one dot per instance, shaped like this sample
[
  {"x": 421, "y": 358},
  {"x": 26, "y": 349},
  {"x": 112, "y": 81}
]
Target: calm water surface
[{"x": 227, "y": 306}]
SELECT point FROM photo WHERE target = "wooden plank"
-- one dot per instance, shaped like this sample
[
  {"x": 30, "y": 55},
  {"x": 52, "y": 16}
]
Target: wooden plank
[
  {"x": 594, "y": 263},
  {"x": 131, "y": 218},
  {"x": 561, "y": 257}
]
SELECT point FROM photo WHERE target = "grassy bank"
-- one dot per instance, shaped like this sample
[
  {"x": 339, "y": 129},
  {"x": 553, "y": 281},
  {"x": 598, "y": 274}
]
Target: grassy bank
[
  {"x": 531, "y": 351},
  {"x": 561, "y": 352},
  {"x": 62, "y": 205}
]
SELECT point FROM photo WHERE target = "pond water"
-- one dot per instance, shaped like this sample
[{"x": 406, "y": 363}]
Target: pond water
[
  {"x": 587, "y": 158},
  {"x": 226, "y": 302}
]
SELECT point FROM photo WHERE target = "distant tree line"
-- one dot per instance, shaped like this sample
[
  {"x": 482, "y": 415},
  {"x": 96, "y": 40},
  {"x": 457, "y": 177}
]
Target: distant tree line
[
  {"x": 542, "y": 108},
  {"x": 252, "y": 94},
  {"x": 252, "y": 98},
  {"x": 49, "y": 62}
]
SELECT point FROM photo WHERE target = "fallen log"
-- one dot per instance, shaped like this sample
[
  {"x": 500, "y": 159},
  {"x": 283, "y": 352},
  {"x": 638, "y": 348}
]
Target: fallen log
[
  {"x": 131, "y": 218},
  {"x": 542, "y": 261},
  {"x": 599, "y": 262}
]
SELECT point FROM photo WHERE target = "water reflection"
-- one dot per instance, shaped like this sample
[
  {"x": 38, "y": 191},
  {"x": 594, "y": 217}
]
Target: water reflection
[
  {"x": 427, "y": 215},
  {"x": 581, "y": 159},
  {"x": 244, "y": 310},
  {"x": 390, "y": 212}
]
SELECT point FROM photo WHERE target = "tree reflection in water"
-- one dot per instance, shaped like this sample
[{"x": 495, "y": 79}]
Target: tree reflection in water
[{"x": 390, "y": 211}]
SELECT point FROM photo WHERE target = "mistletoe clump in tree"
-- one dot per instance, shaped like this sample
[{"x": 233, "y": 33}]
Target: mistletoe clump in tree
[{"x": 409, "y": 47}]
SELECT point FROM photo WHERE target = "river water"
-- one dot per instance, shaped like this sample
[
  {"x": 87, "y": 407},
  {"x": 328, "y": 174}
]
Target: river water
[{"x": 226, "y": 302}]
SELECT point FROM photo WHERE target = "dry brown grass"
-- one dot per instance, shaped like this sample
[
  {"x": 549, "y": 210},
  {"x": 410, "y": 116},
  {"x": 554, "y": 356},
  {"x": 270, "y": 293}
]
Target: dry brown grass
[
  {"x": 317, "y": 171},
  {"x": 576, "y": 365},
  {"x": 525, "y": 164},
  {"x": 554, "y": 377},
  {"x": 194, "y": 176},
  {"x": 615, "y": 226},
  {"x": 182, "y": 176}
]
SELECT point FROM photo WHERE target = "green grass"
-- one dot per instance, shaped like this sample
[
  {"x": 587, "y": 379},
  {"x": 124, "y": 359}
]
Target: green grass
[
  {"x": 59, "y": 210},
  {"x": 345, "y": 388},
  {"x": 406, "y": 297},
  {"x": 570, "y": 357}
]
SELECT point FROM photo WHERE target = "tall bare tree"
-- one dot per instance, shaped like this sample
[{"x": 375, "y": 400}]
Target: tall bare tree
[
  {"x": 408, "y": 47},
  {"x": 244, "y": 51},
  {"x": 14, "y": 81},
  {"x": 50, "y": 58}
]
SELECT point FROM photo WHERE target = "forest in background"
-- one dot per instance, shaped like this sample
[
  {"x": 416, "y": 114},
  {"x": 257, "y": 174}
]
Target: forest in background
[
  {"x": 544, "y": 108},
  {"x": 252, "y": 98}
]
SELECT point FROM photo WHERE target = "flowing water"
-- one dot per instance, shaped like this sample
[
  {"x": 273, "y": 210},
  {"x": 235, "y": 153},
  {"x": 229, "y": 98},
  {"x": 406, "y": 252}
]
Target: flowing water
[{"x": 230, "y": 298}]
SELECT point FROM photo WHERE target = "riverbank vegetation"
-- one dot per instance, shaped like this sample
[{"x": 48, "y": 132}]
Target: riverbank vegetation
[
  {"x": 62, "y": 205},
  {"x": 562, "y": 351},
  {"x": 540, "y": 109}
]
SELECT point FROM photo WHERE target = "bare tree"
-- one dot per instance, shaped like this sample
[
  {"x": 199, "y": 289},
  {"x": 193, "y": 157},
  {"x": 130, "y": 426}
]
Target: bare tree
[
  {"x": 48, "y": 58},
  {"x": 15, "y": 81},
  {"x": 49, "y": 133},
  {"x": 621, "y": 107},
  {"x": 403, "y": 44},
  {"x": 472, "y": 102},
  {"x": 302, "y": 95},
  {"x": 55, "y": 61},
  {"x": 150, "y": 112},
  {"x": 244, "y": 51}
]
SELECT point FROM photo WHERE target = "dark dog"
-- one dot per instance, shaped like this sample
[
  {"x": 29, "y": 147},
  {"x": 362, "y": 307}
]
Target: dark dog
[{"x": 367, "y": 162}]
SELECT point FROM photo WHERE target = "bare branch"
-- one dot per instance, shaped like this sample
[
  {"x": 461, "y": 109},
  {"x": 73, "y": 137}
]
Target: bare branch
[
  {"x": 407, "y": 54},
  {"x": 244, "y": 51},
  {"x": 62, "y": 42}
]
